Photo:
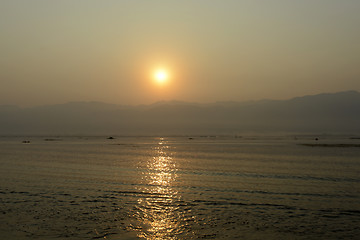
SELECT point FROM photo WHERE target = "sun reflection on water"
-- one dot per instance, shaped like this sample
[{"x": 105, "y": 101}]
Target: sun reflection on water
[{"x": 158, "y": 213}]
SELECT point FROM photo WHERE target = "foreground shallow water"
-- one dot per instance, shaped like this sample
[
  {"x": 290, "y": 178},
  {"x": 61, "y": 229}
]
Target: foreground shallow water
[{"x": 179, "y": 188}]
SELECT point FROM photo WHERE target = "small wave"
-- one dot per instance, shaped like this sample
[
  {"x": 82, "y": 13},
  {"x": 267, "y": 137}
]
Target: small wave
[{"x": 273, "y": 176}]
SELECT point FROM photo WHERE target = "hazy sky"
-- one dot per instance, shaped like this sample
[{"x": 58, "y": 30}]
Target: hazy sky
[{"x": 61, "y": 51}]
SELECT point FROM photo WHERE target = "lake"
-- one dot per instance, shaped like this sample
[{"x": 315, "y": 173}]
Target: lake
[{"x": 209, "y": 187}]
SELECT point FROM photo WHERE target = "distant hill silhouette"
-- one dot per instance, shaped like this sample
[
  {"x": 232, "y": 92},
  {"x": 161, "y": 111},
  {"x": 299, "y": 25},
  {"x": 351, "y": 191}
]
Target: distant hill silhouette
[{"x": 323, "y": 113}]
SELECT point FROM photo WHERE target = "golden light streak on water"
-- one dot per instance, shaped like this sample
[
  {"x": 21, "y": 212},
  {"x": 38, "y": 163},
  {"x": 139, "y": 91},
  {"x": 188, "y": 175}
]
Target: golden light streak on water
[{"x": 158, "y": 213}]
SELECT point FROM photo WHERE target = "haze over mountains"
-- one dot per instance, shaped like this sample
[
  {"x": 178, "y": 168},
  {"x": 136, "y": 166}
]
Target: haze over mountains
[{"x": 323, "y": 113}]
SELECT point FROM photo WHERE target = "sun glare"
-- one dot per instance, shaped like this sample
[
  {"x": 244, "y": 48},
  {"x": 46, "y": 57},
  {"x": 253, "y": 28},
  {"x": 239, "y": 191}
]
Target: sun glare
[{"x": 161, "y": 76}]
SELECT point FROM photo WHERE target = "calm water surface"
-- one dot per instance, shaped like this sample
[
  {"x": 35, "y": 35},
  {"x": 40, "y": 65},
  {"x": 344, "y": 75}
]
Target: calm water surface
[{"x": 178, "y": 188}]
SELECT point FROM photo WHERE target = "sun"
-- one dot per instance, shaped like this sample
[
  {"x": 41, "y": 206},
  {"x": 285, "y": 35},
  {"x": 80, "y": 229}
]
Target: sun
[{"x": 161, "y": 76}]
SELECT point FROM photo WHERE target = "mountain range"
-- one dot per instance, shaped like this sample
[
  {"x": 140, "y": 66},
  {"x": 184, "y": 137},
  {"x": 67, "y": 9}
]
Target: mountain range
[{"x": 322, "y": 113}]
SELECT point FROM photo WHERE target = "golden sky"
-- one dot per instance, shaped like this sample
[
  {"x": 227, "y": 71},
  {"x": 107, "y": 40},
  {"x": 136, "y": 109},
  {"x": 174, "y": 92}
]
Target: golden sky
[{"x": 87, "y": 50}]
